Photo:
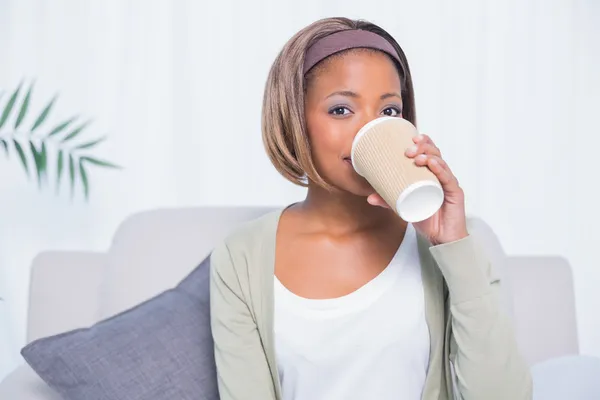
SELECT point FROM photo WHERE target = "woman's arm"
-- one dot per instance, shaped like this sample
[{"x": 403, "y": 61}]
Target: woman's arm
[
  {"x": 242, "y": 369},
  {"x": 483, "y": 348}
]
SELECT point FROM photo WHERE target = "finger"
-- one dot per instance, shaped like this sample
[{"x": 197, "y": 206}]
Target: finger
[
  {"x": 441, "y": 170},
  {"x": 434, "y": 162},
  {"x": 376, "y": 200},
  {"x": 439, "y": 160},
  {"x": 423, "y": 148},
  {"x": 422, "y": 138},
  {"x": 423, "y": 160}
]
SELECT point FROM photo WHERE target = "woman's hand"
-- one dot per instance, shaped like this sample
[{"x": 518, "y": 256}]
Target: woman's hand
[{"x": 449, "y": 223}]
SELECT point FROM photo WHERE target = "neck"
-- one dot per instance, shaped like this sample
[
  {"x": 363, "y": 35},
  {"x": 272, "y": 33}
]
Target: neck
[{"x": 343, "y": 212}]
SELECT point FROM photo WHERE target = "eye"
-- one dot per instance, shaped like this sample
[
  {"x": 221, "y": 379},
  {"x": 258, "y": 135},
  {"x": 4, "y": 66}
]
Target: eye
[
  {"x": 392, "y": 112},
  {"x": 339, "y": 110}
]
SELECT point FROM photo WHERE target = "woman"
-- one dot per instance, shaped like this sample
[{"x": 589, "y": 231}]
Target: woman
[{"x": 336, "y": 298}]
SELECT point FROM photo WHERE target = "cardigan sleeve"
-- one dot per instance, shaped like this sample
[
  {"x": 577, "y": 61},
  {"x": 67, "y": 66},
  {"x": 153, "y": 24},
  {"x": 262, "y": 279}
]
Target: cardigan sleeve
[
  {"x": 242, "y": 369},
  {"x": 484, "y": 356}
]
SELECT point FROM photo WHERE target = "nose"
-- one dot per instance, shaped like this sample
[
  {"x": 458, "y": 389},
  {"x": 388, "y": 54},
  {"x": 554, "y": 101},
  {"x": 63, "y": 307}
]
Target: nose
[{"x": 366, "y": 119}]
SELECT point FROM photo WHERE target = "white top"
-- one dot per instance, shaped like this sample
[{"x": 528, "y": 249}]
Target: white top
[{"x": 370, "y": 344}]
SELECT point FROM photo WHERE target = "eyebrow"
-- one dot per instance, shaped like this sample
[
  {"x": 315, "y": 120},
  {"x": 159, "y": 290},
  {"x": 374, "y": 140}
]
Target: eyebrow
[{"x": 349, "y": 93}]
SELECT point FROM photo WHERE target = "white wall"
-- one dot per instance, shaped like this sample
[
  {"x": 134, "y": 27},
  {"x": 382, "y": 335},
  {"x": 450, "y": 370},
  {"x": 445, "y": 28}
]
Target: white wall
[{"x": 508, "y": 89}]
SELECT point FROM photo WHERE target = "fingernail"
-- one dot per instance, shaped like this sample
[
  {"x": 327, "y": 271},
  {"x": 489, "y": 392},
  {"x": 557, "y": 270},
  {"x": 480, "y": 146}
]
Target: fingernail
[
  {"x": 419, "y": 137},
  {"x": 422, "y": 157},
  {"x": 412, "y": 150}
]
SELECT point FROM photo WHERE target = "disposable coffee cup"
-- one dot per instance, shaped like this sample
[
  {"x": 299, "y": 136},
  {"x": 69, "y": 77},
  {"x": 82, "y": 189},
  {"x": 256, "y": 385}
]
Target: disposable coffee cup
[{"x": 412, "y": 191}]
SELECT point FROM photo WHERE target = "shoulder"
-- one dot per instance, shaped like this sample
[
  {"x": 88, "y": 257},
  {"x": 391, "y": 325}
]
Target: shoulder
[
  {"x": 254, "y": 232},
  {"x": 251, "y": 243}
]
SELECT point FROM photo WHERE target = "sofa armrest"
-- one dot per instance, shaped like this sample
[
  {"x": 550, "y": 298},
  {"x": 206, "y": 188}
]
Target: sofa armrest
[
  {"x": 24, "y": 384},
  {"x": 544, "y": 307},
  {"x": 568, "y": 377},
  {"x": 64, "y": 292}
]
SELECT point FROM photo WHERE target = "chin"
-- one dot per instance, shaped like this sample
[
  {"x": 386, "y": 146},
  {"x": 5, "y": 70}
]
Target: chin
[{"x": 363, "y": 190}]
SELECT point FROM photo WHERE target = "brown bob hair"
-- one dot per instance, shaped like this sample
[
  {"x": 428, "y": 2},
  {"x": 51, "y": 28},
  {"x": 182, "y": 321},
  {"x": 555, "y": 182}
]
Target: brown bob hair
[{"x": 283, "y": 124}]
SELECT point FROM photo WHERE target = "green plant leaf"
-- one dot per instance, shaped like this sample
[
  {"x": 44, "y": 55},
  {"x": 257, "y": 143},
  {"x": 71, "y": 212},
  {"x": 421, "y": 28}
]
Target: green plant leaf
[
  {"x": 42, "y": 117},
  {"x": 59, "y": 169},
  {"x": 61, "y": 127},
  {"x": 5, "y": 145},
  {"x": 38, "y": 162},
  {"x": 90, "y": 144},
  {"x": 44, "y": 159},
  {"x": 84, "y": 179},
  {"x": 9, "y": 106},
  {"x": 21, "y": 156},
  {"x": 101, "y": 163},
  {"x": 44, "y": 154},
  {"x": 72, "y": 173},
  {"x": 24, "y": 107},
  {"x": 77, "y": 131}
]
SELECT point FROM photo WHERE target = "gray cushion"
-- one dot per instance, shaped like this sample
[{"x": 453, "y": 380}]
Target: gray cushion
[{"x": 161, "y": 349}]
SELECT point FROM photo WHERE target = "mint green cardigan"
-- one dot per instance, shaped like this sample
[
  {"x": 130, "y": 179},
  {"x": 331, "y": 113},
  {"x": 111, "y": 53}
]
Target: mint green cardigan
[{"x": 473, "y": 353}]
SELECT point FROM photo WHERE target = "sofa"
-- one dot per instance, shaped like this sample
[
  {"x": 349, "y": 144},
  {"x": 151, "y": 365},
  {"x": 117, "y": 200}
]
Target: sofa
[{"x": 153, "y": 250}]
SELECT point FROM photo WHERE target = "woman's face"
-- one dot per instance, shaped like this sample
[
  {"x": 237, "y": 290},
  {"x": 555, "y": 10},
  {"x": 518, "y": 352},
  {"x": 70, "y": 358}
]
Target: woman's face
[{"x": 346, "y": 93}]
